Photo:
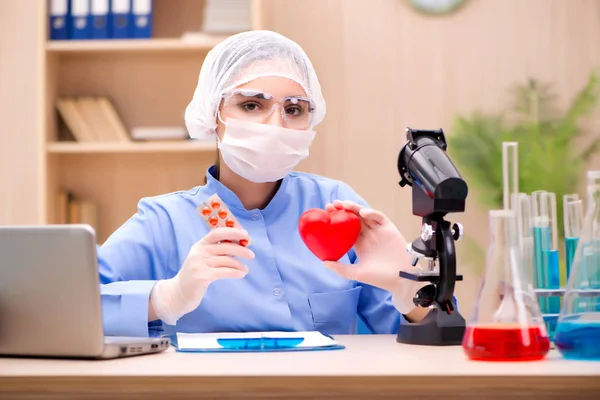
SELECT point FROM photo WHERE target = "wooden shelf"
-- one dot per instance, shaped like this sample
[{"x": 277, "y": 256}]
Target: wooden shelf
[
  {"x": 134, "y": 147},
  {"x": 199, "y": 43}
]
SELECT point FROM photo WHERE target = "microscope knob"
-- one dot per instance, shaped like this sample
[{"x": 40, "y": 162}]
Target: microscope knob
[
  {"x": 457, "y": 231},
  {"x": 426, "y": 232}
]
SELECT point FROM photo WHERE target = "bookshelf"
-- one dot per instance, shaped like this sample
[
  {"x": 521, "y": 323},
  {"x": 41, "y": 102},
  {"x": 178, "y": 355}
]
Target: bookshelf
[
  {"x": 142, "y": 147},
  {"x": 164, "y": 45},
  {"x": 149, "y": 82}
]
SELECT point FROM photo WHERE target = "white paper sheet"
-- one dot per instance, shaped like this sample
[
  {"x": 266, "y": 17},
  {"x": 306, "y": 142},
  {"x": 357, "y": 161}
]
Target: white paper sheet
[{"x": 192, "y": 341}]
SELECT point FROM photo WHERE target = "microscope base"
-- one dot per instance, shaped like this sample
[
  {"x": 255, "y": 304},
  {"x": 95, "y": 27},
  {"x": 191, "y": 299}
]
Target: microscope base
[{"x": 436, "y": 329}]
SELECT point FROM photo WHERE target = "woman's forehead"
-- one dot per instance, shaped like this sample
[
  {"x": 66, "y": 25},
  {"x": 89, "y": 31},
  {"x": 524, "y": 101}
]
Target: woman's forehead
[{"x": 275, "y": 85}]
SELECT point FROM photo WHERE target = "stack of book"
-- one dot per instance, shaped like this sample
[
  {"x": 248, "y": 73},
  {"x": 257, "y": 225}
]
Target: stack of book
[
  {"x": 75, "y": 210},
  {"x": 95, "y": 119},
  {"x": 92, "y": 119}
]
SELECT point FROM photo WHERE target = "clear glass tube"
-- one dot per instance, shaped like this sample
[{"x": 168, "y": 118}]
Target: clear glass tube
[
  {"x": 545, "y": 243},
  {"x": 573, "y": 222},
  {"x": 522, "y": 203},
  {"x": 510, "y": 173},
  {"x": 578, "y": 330},
  {"x": 540, "y": 222},
  {"x": 592, "y": 178},
  {"x": 506, "y": 323}
]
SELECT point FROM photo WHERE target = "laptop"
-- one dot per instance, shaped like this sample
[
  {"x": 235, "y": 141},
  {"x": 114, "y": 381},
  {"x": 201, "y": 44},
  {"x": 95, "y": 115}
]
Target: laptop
[{"x": 50, "y": 296}]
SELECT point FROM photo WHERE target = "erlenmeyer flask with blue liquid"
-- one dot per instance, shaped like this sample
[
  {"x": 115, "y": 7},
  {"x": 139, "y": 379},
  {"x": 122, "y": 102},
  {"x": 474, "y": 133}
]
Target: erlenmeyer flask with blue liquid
[{"x": 577, "y": 334}]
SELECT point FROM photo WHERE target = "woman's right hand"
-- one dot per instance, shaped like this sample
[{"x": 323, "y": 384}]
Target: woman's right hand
[{"x": 209, "y": 259}]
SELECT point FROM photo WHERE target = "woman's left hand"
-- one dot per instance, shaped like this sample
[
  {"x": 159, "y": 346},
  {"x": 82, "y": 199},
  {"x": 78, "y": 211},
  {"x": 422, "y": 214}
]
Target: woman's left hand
[{"x": 380, "y": 248}]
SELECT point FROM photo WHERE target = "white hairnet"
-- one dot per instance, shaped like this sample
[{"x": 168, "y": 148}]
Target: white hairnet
[{"x": 240, "y": 59}]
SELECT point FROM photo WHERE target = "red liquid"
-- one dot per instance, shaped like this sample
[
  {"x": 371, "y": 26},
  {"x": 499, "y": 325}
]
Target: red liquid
[{"x": 505, "y": 343}]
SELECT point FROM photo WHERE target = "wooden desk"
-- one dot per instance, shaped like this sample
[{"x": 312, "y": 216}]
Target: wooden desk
[{"x": 371, "y": 367}]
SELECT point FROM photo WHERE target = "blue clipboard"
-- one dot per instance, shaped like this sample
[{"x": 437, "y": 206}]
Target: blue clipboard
[{"x": 253, "y": 345}]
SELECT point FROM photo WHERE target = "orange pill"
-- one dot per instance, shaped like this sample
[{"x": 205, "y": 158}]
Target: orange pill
[
  {"x": 222, "y": 214},
  {"x": 229, "y": 223},
  {"x": 243, "y": 242},
  {"x": 215, "y": 204},
  {"x": 213, "y": 221},
  {"x": 205, "y": 211}
]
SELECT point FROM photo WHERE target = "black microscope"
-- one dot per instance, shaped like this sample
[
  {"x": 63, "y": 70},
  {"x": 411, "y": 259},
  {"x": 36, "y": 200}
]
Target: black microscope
[{"x": 437, "y": 189}]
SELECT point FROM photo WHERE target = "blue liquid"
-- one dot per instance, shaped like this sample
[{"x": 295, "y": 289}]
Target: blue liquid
[
  {"x": 570, "y": 249},
  {"x": 578, "y": 339},
  {"x": 552, "y": 275}
]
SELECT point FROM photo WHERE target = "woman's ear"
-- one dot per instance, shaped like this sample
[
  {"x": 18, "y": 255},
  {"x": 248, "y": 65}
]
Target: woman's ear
[{"x": 220, "y": 125}]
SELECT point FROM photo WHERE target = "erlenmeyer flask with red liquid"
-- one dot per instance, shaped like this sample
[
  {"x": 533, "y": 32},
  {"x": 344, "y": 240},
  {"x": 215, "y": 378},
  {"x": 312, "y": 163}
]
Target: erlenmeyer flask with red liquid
[{"x": 506, "y": 323}]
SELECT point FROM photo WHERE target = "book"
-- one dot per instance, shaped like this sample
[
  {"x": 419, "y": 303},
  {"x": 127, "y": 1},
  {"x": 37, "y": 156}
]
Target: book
[{"x": 92, "y": 119}]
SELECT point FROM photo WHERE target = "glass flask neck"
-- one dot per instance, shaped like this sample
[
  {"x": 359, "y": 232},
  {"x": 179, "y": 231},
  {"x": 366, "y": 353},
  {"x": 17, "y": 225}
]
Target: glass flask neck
[{"x": 505, "y": 292}]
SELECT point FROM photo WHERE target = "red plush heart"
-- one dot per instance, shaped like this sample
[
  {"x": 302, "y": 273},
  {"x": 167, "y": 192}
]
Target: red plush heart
[{"x": 329, "y": 234}]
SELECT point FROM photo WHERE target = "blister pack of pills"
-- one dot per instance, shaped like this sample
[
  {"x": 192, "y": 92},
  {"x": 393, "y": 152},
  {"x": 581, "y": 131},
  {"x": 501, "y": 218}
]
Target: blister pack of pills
[{"x": 216, "y": 214}]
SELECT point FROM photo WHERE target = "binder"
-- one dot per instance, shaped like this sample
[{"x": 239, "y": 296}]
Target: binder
[
  {"x": 100, "y": 11},
  {"x": 80, "y": 19},
  {"x": 59, "y": 19},
  {"x": 252, "y": 342},
  {"x": 120, "y": 19},
  {"x": 142, "y": 19}
]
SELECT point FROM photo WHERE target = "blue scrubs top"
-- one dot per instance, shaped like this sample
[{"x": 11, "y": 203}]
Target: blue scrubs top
[{"x": 287, "y": 287}]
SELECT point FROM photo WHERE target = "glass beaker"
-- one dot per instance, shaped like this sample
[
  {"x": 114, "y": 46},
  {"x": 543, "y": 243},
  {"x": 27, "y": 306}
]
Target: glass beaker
[
  {"x": 506, "y": 324},
  {"x": 578, "y": 331},
  {"x": 572, "y": 222}
]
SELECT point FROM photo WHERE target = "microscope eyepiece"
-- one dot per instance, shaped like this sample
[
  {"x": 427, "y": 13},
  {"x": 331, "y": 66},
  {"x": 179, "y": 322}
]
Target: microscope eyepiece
[{"x": 424, "y": 163}]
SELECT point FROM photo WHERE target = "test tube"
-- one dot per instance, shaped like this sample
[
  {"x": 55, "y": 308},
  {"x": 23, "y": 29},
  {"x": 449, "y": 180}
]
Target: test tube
[
  {"x": 593, "y": 177},
  {"x": 540, "y": 226},
  {"x": 546, "y": 252},
  {"x": 524, "y": 227},
  {"x": 573, "y": 222},
  {"x": 510, "y": 174}
]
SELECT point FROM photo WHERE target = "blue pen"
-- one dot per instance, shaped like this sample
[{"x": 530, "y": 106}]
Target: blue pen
[{"x": 262, "y": 343}]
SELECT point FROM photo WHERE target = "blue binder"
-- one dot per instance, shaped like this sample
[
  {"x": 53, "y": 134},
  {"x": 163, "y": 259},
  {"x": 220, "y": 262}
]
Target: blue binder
[
  {"x": 59, "y": 19},
  {"x": 80, "y": 20},
  {"x": 142, "y": 19},
  {"x": 99, "y": 12},
  {"x": 120, "y": 19},
  {"x": 264, "y": 343}
]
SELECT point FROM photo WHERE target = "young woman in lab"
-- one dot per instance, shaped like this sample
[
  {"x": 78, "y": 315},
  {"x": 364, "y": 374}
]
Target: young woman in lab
[{"x": 164, "y": 270}]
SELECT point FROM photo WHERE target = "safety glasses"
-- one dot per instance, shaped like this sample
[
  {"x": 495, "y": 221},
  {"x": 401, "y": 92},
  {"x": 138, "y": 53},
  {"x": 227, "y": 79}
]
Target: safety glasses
[{"x": 258, "y": 106}]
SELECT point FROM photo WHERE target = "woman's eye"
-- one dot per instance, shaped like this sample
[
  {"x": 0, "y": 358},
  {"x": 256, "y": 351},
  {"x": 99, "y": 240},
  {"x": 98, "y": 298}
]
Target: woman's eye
[
  {"x": 294, "y": 111},
  {"x": 250, "y": 106}
]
